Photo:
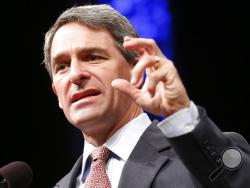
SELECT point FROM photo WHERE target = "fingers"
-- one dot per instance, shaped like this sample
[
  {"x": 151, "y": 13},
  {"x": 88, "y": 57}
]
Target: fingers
[
  {"x": 149, "y": 56},
  {"x": 158, "y": 67},
  {"x": 163, "y": 91},
  {"x": 141, "y": 45},
  {"x": 154, "y": 78},
  {"x": 145, "y": 62},
  {"x": 125, "y": 87}
]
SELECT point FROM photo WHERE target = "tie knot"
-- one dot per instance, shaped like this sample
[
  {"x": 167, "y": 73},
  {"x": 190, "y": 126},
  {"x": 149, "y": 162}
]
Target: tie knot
[{"x": 100, "y": 153}]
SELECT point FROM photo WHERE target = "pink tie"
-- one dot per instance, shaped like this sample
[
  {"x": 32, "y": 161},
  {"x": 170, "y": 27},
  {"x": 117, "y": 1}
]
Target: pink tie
[{"x": 97, "y": 177}]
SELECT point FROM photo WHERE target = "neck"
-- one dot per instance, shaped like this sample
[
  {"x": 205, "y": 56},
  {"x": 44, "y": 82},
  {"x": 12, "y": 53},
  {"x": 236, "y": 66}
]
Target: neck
[{"x": 98, "y": 138}]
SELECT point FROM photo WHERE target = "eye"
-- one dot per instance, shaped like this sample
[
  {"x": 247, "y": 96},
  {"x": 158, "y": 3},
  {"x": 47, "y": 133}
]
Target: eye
[
  {"x": 94, "y": 58},
  {"x": 61, "y": 66}
]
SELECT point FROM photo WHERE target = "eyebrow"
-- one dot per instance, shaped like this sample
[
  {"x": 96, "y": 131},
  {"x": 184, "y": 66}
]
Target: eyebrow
[
  {"x": 84, "y": 50},
  {"x": 93, "y": 49}
]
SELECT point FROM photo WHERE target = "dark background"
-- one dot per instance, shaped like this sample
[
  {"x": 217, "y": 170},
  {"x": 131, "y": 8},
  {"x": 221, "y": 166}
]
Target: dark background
[{"x": 211, "y": 54}]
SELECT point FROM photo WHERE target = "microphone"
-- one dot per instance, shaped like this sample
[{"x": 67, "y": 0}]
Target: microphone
[{"x": 16, "y": 174}]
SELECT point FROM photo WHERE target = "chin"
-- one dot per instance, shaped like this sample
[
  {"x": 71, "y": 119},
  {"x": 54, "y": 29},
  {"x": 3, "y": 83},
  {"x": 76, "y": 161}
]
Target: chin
[{"x": 81, "y": 119}]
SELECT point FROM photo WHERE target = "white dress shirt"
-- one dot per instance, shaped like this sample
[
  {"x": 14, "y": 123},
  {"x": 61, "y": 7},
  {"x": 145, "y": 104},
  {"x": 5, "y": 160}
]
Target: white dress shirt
[
  {"x": 121, "y": 144},
  {"x": 124, "y": 140}
]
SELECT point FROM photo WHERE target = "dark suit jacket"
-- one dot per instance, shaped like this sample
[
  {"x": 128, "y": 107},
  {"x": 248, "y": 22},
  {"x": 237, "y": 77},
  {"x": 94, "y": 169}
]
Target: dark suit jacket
[{"x": 181, "y": 162}]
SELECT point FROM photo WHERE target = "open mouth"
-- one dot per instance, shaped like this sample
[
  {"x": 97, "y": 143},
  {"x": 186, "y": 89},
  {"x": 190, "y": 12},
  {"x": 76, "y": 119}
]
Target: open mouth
[{"x": 84, "y": 94}]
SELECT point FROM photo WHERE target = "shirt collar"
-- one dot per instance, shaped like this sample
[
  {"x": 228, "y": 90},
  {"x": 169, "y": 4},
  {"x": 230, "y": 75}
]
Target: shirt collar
[{"x": 124, "y": 140}]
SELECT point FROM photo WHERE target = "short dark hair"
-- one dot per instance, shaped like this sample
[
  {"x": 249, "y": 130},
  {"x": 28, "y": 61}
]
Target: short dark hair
[{"x": 95, "y": 17}]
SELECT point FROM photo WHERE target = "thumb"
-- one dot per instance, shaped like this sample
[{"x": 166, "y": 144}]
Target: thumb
[{"x": 125, "y": 87}]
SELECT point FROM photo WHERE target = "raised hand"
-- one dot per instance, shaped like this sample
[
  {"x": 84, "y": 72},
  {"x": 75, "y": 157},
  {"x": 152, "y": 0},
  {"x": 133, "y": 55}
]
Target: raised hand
[{"x": 163, "y": 92}]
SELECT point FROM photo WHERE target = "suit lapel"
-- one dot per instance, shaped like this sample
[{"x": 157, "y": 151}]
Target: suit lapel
[
  {"x": 142, "y": 165},
  {"x": 145, "y": 160},
  {"x": 69, "y": 181}
]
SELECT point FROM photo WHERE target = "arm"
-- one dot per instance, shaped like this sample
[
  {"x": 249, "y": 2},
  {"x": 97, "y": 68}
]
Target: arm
[
  {"x": 201, "y": 149},
  {"x": 163, "y": 93}
]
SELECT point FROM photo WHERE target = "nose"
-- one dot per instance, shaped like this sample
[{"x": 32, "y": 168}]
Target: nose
[{"x": 78, "y": 73}]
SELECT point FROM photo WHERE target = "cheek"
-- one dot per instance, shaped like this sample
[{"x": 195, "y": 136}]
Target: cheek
[
  {"x": 60, "y": 89},
  {"x": 59, "y": 98},
  {"x": 122, "y": 71}
]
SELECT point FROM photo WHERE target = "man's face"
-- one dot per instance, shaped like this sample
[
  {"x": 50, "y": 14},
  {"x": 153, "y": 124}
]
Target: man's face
[{"x": 84, "y": 62}]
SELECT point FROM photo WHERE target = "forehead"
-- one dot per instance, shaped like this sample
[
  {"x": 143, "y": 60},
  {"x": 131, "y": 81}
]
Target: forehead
[{"x": 74, "y": 35}]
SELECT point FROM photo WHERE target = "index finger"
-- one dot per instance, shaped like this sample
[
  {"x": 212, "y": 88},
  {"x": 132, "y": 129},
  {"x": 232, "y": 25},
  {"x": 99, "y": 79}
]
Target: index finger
[
  {"x": 145, "y": 62},
  {"x": 137, "y": 44}
]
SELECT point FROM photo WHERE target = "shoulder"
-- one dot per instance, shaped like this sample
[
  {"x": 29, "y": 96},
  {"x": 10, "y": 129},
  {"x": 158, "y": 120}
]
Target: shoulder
[{"x": 70, "y": 178}]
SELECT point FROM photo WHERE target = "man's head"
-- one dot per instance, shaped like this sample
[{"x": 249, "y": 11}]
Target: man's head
[
  {"x": 84, "y": 53},
  {"x": 95, "y": 17}
]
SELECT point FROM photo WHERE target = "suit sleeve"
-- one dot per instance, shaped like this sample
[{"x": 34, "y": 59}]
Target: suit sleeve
[{"x": 201, "y": 152}]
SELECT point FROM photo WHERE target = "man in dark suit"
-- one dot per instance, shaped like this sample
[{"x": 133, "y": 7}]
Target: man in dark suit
[{"x": 96, "y": 62}]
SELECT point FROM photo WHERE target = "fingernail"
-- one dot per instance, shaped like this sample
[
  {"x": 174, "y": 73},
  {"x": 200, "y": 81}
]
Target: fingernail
[{"x": 127, "y": 38}]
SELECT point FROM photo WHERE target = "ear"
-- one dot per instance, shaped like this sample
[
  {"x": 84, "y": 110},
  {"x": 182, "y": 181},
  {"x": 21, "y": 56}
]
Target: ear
[{"x": 54, "y": 90}]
